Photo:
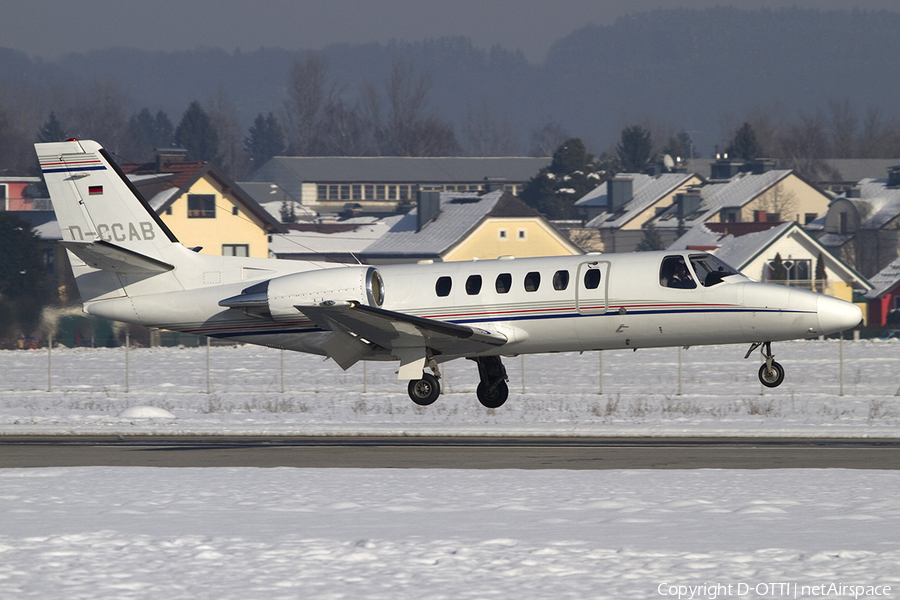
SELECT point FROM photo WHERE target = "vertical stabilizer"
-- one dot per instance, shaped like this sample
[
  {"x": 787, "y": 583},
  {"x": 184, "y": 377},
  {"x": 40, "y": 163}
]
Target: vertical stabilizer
[{"x": 114, "y": 238}]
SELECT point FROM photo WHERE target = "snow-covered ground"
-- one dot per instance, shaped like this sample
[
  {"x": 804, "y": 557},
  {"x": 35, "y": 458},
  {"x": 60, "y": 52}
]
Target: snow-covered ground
[
  {"x": 720, "y": 393},
  {"x": 116, "y": 533}
]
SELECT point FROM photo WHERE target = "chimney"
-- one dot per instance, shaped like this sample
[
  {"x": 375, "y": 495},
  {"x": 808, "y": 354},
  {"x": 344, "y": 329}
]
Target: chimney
[
  {"x": 493, "y": 184},
  {"x": 894, "y": 177},
  {"x": 688, "y": 202},
  {"x": 762, "y": 165},
  {"x": 619, "y": 192},
  {"x": 167, "y": 156},
  {"x": 853, "y": 191},
  {"x": 429, "y": 205},
  {"x": 725, "y": 168}
]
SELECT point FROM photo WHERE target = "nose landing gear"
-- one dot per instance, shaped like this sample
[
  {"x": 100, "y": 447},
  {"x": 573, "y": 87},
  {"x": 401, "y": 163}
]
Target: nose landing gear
[{"x": 771, "y": 373}]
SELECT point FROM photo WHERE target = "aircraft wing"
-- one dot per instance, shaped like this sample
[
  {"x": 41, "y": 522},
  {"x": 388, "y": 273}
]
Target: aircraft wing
[
  {"x": 109, "y": 257},
  {"x": 406, "y": 336}
]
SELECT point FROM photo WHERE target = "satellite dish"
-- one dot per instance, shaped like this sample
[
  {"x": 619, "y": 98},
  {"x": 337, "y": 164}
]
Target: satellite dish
[{"x": 668, "y": 162}]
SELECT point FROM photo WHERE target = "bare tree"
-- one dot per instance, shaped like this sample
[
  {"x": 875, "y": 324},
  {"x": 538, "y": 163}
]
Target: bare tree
[
  {"x": 233, "y": 158},
  {"x": 343, "y": 131},
  {"x": 547, "y": 138},
  {"x": 308, "y": 95},
  {"x": 99, "y": 113},
  {"x": 406, "y": 128},
  {"x": 778, "y": 201},
  {"x": 842, "y": 125},
  {"x": 488, "y": 135}
]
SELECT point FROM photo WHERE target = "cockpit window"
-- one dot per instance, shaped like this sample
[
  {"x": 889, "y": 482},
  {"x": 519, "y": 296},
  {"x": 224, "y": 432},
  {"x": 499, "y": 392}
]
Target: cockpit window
[
  {"x": 710, "y": 270},
  {"x": 674, "y": 273}
]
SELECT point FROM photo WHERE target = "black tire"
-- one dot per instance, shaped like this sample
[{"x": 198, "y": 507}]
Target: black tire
[
  {"x": 771, "y": 378},
  {"x": 424, "y": 391},
  {"x": 492, "y": 397}
]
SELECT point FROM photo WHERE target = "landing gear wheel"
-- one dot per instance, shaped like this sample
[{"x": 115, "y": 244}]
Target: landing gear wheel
[
  {"x": 771, "y": 377},
  {"x": 424, "y": 391},
  {"x": 492, "y": 396}
]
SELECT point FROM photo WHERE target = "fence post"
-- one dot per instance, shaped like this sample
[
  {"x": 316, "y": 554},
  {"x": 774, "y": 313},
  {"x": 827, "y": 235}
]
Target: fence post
[
  {"x": 523, "y": 372},
  {"x": 679, "y": 370},
  {"x": 365, "y": 376},
  {"x": 127, "y": 363},
  {"x": 842, "y": 362},
  {"x": 600, "y": 355},
  {"x": 282, "y": 370},
  {"x": 208, "y": 384},
  {"x": 50, "y": 362}
]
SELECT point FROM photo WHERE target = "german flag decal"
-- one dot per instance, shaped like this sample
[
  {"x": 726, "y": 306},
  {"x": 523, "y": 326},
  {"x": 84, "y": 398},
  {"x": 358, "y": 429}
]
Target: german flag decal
[{"x": 95, "y": 190}]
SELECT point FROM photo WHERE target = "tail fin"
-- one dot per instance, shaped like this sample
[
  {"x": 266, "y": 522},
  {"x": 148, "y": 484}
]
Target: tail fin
[{"x": 117, "y": 238}]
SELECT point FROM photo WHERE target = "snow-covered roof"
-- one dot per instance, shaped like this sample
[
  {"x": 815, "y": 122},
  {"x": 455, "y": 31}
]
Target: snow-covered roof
[
  {"x": 459, "y": 213},
  {"x": 738, "y": 251},
  {"x": 727, "y": 193},
  {"x": 883, "y": 203},
  {"x": 354, "y": 237},
  {"x": 884, "y": 280},
  {"x": 646, "y": 190}
]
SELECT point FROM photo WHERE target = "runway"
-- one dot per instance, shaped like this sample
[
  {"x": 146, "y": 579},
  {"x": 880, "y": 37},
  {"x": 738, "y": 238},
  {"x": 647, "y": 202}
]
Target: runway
[{"x": 450, "y": 452}]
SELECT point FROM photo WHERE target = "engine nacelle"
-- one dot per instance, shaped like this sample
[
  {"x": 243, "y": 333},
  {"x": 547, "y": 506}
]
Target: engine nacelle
[{"x": 277, "y": 298}]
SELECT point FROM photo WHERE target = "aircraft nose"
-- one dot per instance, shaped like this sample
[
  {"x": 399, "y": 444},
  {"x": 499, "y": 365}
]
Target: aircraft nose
[{"x": 837, "y": 315}]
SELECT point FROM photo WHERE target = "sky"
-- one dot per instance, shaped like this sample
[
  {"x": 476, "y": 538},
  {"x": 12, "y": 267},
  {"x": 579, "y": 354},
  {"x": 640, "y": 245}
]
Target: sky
[{"x": 50, "y": 28}]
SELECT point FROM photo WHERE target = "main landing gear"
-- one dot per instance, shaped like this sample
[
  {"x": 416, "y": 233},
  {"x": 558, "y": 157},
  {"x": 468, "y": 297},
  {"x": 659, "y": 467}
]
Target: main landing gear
[
  {"x": 492, "y": 391},
  {"x": 771, "y": 373}
]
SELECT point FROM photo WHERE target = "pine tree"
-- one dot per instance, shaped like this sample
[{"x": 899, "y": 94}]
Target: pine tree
[
  {"x": 196, "y": 134},
  {"x": 572, "y": 173},
  {"x": 265, "y": 141},
  {"x": 777, "y": 270},
  {"x": 744, "y": 145},
  {"x": 634, "y": 149},
  {"x": 821, "y": 275},
  {"x": 651, "y": 240},
  {"x": 147, "y": 133},
  {"x": 52, "y": 130}
]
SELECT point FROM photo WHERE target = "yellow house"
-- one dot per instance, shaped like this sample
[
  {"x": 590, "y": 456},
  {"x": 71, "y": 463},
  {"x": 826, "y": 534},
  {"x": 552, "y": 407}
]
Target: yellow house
[
  {"x": 204, "y": 208},
  {"x": 467, "y": 226}
]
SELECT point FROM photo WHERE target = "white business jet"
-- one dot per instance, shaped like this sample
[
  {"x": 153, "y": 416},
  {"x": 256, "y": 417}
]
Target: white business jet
[{"x": 129, "y": 267}]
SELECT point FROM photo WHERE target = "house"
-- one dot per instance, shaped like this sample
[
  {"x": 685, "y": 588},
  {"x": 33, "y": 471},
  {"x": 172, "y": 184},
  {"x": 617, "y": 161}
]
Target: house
[
  {"x": 379, "y": 184},
  {"x": 23, "y": 194},
  {"x": 452, "y": 226},
  {"x": 203, "y": 207},
  {"x": 863, "y": 225},
  {"x": 619, "y": 208},
  {"x": 884, "y": 297},
  {"x": 754, "y": 248},
  {"x": 736, "y": 196}
]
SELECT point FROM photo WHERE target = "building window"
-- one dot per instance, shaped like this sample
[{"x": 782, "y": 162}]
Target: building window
[
  {"x": 3, "y": 205},
  {"x": 357, "y": 192},
  {"x": 809, "y": 218},
  {"x": 321, "y": 193},
  {"x": 797, "y": 272},
  {"x": 522, "y": 234},
  {"x": 844, "y": 227},
  {"x": 404, "y": 192},
  {"x": 443, "y": 285},
  {"x": 502, "y": 234},
  {"x": 235, "y": 211},
  {"x": 201, "y": 206},
  {"x": 345, "y": 192},
  {"x": 379, "y": 192},
  {"x": 392, "y": 192},
  {"x": 333, "y": 192},
  {"x": 169, "y": 210},
  {"x": 236, "y": 250},
  {"x": 370, "y": 192}
]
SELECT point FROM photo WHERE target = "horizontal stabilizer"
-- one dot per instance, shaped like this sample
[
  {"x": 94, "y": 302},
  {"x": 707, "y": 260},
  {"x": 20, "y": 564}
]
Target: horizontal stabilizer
[
  {"x": 393, "y": 330},
  {"x": 109, "y": 257}
]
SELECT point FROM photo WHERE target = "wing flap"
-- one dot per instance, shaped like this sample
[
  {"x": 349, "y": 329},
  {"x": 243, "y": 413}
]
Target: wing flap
[{"x": 401, "y": 333}]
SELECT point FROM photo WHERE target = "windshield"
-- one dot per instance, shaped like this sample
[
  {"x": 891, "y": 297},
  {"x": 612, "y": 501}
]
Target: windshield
[{"x": 710, "y": 270}]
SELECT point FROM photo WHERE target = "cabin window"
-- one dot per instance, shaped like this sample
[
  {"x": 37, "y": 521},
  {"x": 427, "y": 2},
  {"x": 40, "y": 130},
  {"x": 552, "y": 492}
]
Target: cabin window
[
  {"x": 532, "y": 281},
  {"x": 473, "y": 285},
  {"x": 504, "y": 283},
  {"x": 674, "y": 273},
  {"x": 560, "y": 280},
  {"x": 710, "y": 270},
  {"x": 201, "y": 206},
  {"x": 592, "y": 279},
  {"x": 443, "y": 285}
]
